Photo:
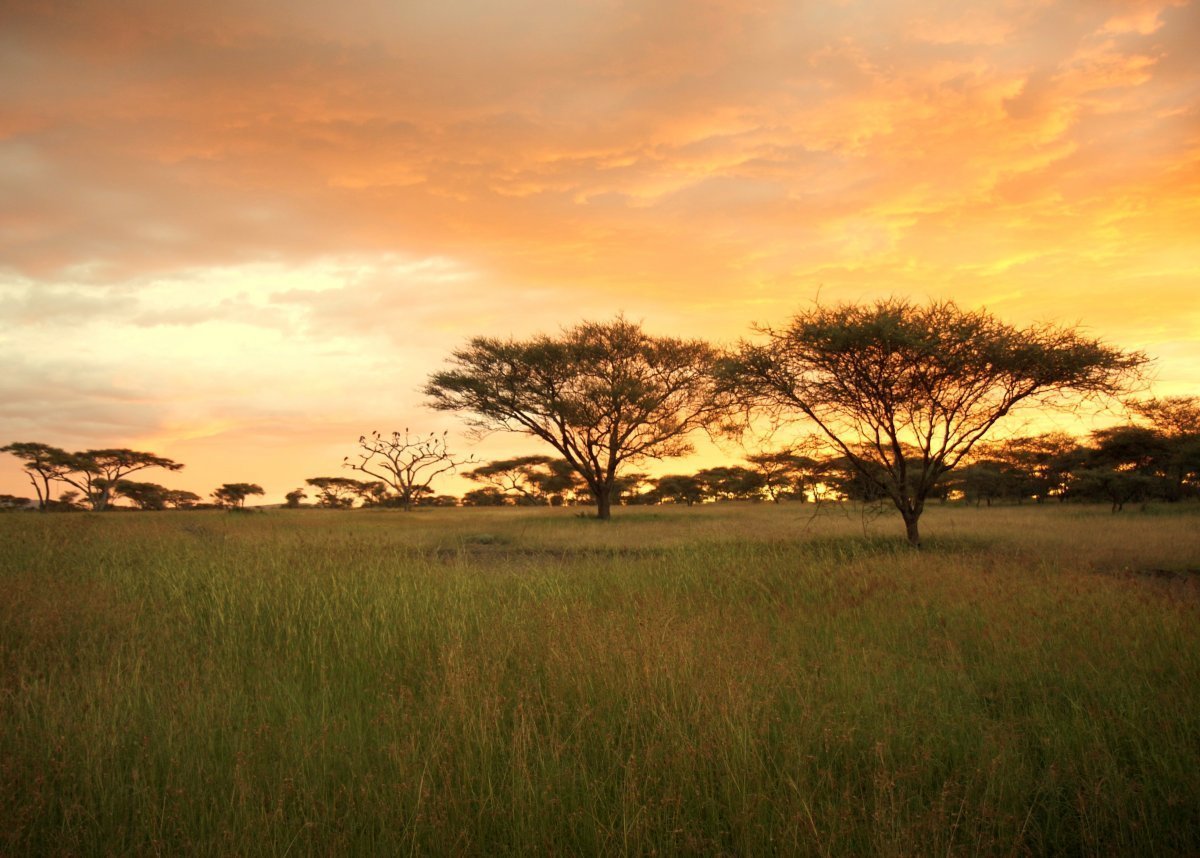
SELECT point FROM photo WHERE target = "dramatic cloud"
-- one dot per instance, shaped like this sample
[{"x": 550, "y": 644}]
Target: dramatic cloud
[{"x": 262, "y": 214}]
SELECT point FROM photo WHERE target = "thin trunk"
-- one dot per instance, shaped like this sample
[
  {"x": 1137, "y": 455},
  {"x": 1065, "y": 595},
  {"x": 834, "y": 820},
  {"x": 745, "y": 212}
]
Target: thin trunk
[{"x": 42, "y": 499}]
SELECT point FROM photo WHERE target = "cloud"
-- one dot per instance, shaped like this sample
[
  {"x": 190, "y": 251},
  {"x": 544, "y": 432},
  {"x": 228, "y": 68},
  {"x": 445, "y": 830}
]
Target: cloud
[{"x": 267, "y": 189}]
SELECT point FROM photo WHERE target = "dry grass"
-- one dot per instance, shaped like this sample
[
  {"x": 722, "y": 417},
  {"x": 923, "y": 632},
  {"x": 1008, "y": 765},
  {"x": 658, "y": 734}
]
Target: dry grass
[{"x": 731, "y": 679}]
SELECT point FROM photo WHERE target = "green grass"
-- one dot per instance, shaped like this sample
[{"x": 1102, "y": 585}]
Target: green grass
[{"x": 722, "y": 680}]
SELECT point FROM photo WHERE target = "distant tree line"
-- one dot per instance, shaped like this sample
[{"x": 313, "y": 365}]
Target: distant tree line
[
  {"x": 1135, "y": 462},
  {"x": 96, "y": 477},
  {"x": 896, "y": 400}
]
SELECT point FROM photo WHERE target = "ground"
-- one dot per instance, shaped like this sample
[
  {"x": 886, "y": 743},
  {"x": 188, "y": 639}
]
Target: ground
[{"x": 740, "y": 679}]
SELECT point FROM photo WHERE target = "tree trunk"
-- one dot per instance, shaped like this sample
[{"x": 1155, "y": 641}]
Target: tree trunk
[
  {"x": 43, "y": 500},
  {"x": 910, "y": 527},
  {"x": 604, "y": 503}
]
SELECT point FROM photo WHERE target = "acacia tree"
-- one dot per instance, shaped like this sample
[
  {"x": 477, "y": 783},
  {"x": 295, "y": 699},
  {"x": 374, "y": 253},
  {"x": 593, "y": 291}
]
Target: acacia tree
[
  {"x": 530, "y": 479},
  {"x": 731, "y": 482},
  {"x": 786, "y": 473},
  {"x": 44, "y": 465},
  {"x": 406, "y": 463},
  {"x": 905, "y": 391},
  {"x": 294, "y": 497},
  {"x": 180, "y": 498},
  {"x": 1176, "y": 419},
  {"x": 233, "y": 495},
  {"x": 97, "y": 472},
  {"x": 1041, "y": 464},
  {"x": 602, "y": 394},
  {"x": 335, "y": 492},
  {"x": 681, "y": 488},
  {"x": 142, "y": 495}
]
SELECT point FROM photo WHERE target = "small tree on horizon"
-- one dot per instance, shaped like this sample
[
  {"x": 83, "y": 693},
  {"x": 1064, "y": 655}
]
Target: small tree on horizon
[
  {"x": 233, "y": 495},
  {"x": 144, "y": 496},
  {"x": 528, "y": 479},
  {"x": 335, "y": 492},
  {"x": 292, "y": 499}
]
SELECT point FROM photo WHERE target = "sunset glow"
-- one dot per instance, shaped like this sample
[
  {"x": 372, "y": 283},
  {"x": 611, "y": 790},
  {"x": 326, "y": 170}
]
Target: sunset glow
[{"x": 241, "y": 234}]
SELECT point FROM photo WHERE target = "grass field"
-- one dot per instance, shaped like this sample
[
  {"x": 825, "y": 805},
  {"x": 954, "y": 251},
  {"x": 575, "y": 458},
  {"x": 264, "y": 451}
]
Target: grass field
[{"x": 730, "y": 679}]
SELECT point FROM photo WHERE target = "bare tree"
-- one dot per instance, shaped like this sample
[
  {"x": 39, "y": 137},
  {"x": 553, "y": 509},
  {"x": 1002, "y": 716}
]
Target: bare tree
[
  {"x": 905, "y": 391},
  {"x": 406, "y": 463}
]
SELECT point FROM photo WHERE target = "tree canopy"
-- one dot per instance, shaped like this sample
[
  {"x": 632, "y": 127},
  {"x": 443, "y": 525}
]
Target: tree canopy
[
  {"x": 95, "y": 473},
  {"x": 602, "y": 394},
  {"x": 905, "y": 391},
  {"x": 233, "y": 495},
  {"x": 528, "y": 480},
  {"x": 44, "y": 465}
]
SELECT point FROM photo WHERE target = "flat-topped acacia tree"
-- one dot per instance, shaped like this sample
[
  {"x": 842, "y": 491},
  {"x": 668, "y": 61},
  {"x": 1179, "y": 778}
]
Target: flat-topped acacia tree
[
  {"x": 44, "y": 465},
  {"x": 601, "y": 393},
  {"x": 95, "y": 473},
  {"x": 233, "y": 495},
  {"x": 904, "y": 391}
]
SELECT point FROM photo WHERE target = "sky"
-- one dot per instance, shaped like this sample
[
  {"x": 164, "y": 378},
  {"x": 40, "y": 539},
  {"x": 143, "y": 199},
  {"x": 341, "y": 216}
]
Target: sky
[{"x": 241, "y": 233}]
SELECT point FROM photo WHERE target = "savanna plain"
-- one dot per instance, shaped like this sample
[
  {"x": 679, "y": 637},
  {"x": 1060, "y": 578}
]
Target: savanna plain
[{"x": 729, "y": 679}]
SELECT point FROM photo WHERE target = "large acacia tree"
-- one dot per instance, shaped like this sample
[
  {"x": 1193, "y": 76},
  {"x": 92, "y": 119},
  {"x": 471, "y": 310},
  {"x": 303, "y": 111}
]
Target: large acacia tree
[
  {"x": 601, "y": 393},
  {"x": 904, "y": 391}
]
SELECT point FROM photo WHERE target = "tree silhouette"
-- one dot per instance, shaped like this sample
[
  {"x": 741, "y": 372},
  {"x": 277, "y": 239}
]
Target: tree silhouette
[
  {"x": 530, "y": 479},
  {"x": 294, "y": 497},
  {"x": 335, "y": 492},
  {"x": 601, "y": 394},
  {"x": 96, "y": 472},
  {"x": 786, "y": 473},
  {"x": 180, "y": 499},
  {"x": 681, "y": 488},
  {"x": 44, "y": 465},
  {"x": 905, "y": 391},
  {"x": 406, "y": 463},
  {"x": 233, "y": 495},
  {"x": 143, "y": 495}
]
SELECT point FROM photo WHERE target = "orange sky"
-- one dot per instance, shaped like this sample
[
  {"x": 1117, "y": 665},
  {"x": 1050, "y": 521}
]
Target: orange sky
[{"x": 240, "y": 233}]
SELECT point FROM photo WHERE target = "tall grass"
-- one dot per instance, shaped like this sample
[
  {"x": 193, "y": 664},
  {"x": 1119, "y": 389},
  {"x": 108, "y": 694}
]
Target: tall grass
[{"x": 730, "y": 679}]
